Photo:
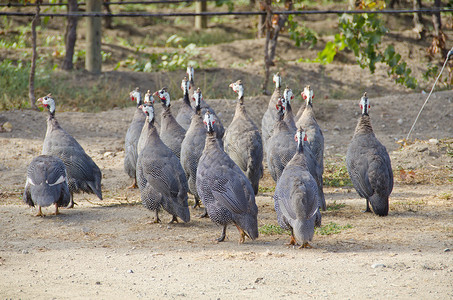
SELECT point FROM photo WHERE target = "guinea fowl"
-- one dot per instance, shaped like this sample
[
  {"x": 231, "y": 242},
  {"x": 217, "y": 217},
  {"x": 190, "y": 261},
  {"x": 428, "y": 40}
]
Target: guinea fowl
[
  {"x": 132, "y": 136},
  {"x": 308, "y": 122},
  {"x": 289, "y": 116},
  {"x": 144, "y": 132},
  {"x": 243, "y": 141},
  {"x": 369, "y": 164},
  {"x": 218, "y": 127},
  {"x": 271, "y": 115},
  {"x": 224, "y": 189},
  {"x": 192, "y": 147},
  {"x": 185, "y": 112},
  {"x": 160, "y": 177},
  {"x": 46, "y": 183},
  {"x": 83, "y": 174},
  {"x": 296, "y": 197},
  {"x": 280, "y": 148},
  {"x": 171, "y": 133}
]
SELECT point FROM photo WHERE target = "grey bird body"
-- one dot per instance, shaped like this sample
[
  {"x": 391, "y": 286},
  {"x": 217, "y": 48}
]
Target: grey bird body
[
  {"x": 185, "y": 112},
  {"x": 131, "y": 143},
  {"x": 160, "y": 178},
  {"x": 369, "y": 167},
  {"x": 191, "y": 149},
  {"x": 270, "y": 116},
  {"x": 225, "y": 191},
  {"x": 83, "y": 173},
  {"x": 296, "y": 199},
  {"x": 46, "y": 183},
  {"x": 314, "y": 133},
  {"x": 244, "y": 145}
]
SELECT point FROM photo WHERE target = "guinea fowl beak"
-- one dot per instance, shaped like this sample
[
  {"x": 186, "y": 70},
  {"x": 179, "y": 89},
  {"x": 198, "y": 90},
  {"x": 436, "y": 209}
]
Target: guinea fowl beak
[{"x": 40, "y": 101}]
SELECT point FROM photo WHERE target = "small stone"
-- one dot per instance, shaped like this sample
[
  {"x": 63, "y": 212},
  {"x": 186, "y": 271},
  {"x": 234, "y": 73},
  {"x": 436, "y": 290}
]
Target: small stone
[
  {"x": 168, "y": 227},
  {"x": 378, "y": 265},
  {"x": 130, "y": 271},
  {"x": 108, "y": 153},
  {"x": 98, "y": 283},
  {"x": 447, "y": 250},
  {"x": 400, "y": 121},
  {"x": 25, "y": 251},
  {"x": 7, "y": 126},
  {"x": 337, "y": 127},
  {"x": 85, "y": 230},
  {"x": 433, "y": 141}
]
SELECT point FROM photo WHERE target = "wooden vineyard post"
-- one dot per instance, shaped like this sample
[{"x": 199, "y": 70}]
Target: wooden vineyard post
[
  {"x": 93, "y": 58},
  {"x": 201, "y": 21}
]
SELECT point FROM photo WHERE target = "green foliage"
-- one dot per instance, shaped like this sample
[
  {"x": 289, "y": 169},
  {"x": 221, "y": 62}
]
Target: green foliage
[
  {"x": 331, "y": 228},
  {"x": 300, "y": 33},
  {"x": 362, "y": 34},
  {"x": 228, "y": 3},
  {"x": 266, "y": 189},
  {"x": 270, "y": 229},
  {"x": 335, "y": 206},
  {"x": 336, "y": 175}
]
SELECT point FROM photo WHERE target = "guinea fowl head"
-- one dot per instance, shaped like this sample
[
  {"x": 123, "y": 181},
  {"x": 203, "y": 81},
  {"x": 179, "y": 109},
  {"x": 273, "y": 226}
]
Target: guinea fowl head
[
  {"x": 277, "y": 79},
  {"x": 148, "y": 109},
  {"x": 364, "y": 104},
  {"x": 190, "y": 74},
  {"x": 308, "y": 95},
  {"x": 300, "y": 137},
  {"x": 185, "y": 85},
  {"x": 148, "y": 97},
  {"x": 238, "y": 88},
  {"x": 288, "y": 95},
  {"x": 164, "y": 96},
  {"x": 209, "y": 122},
  {"x": 136, "y": 96},
  {"x": 197, "y": 97},
  {"x": 48, "y": 102}
]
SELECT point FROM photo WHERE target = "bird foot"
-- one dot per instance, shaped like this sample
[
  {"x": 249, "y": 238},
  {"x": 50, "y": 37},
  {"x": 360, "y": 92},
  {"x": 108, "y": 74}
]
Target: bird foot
[
  {"x": 292, "y": 242},
  {"x": 366, "y": 210},
  {"x": 306, "y": 245},
  {"x": 40, "y": 214},
  {"x": 71, "y": 204},
  {"x": 197, "y": 204},
  {"x": 174, "y": 220},
  {"x": 132, "y": 186},
  {"x": 203, "y": 215}
]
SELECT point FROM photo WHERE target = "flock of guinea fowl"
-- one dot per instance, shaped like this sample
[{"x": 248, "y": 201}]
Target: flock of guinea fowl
[{"x": 193, "y": 153}]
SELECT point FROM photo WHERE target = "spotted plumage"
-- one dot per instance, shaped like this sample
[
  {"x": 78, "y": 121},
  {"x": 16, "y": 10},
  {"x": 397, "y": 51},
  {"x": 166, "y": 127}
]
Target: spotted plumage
[
  {"x": 369, "y": 165},
  {"x": 47, "y": 183},
  {"x": 132, "y": 137},
  {"x": 243, "y": 141},
  {"x": 160, "y": 177},
  {"x": 271, "y": 115},
  {"x": 224, "y": 189},
  {"x": 296, "y": 197},
  {"x": 83, "y": 173}
]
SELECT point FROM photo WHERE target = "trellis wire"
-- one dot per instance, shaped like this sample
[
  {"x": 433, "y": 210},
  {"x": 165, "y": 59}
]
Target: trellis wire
[
  {"x": 450, "y": 53},
  {"x": 227, "y": 13}
]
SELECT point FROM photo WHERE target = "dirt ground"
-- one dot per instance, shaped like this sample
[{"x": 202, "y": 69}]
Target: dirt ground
[{"x": 107, "y": 249}]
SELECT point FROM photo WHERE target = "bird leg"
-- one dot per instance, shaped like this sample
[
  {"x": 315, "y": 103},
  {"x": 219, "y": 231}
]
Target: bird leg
[
  {"x": 56, "y": 209},
  {"x": 242, "y": 233},
  {"x": 71, "y": 201},
  {"x": 367, "y": 206},
  {"x": 197, "y": 202},
  {"x": 40, "y": 214},
  {"x": 306, "y": 245},
  {"x": 134, "y": 184},
  {"x": 204, "y": 214},
  {"x": 174, "y": 220},
  {"x": 292, "y": 242},
  {"x": 157, "y": 220},
  {"x": 222, "y": 237}
]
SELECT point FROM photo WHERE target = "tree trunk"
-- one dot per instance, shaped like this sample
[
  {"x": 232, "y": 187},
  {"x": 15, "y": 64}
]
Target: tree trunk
[
  {"x": 418, "y": 21},
  {"x": 93, "y": 58},
  {"x": 267, "y": 62},
  {"x": 201, "y": 21},
  {"x": 261, "y": 21},
  {"x": 70, "y": 36},
  {"x": 271, "y": 41},
  {"x": 437, "y": 23},
  {"x": 108, "y": 19},
  {"x": 31, "y": 79}
]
